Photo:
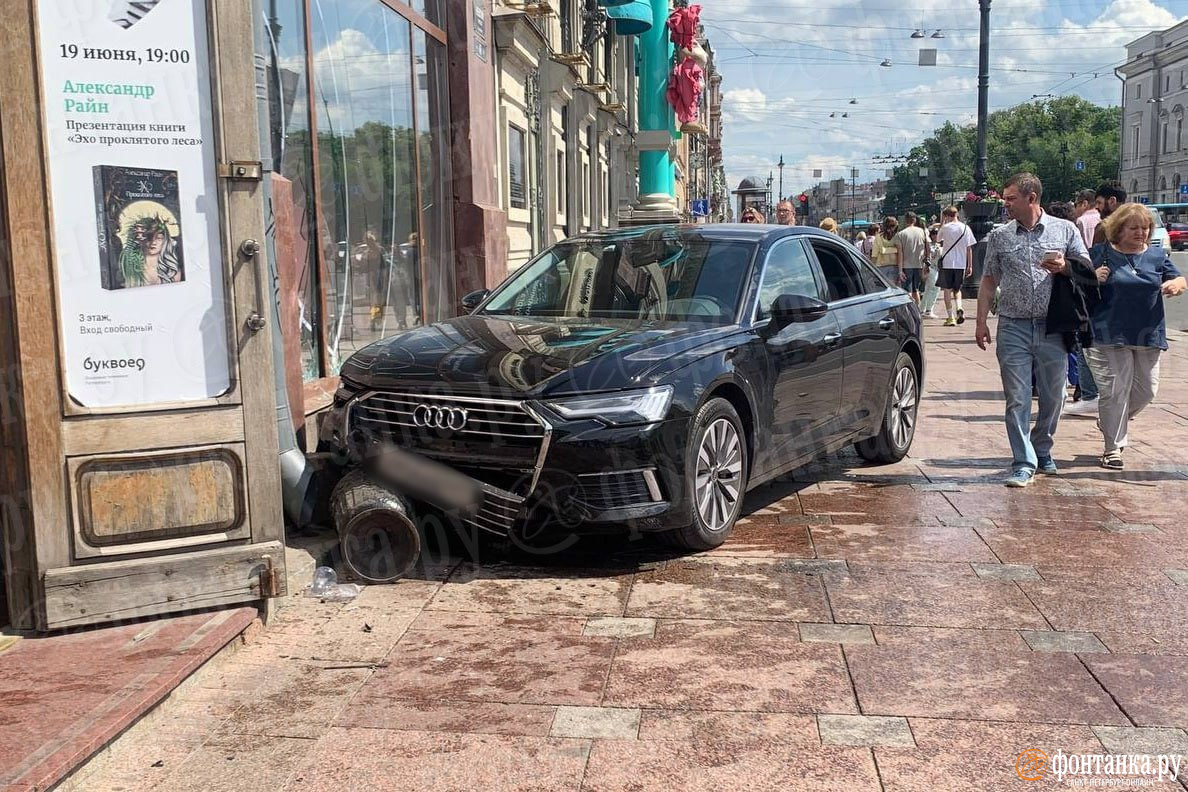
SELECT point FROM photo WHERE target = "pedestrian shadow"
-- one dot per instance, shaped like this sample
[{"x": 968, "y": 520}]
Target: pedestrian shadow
[{"x": 968, "y": 418}]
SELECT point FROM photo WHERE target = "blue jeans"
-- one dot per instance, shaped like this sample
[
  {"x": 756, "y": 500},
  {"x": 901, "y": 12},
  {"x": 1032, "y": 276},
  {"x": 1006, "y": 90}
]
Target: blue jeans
[
  {"x": 1025, "y": 350},
  {"x": 1085, "y": 377}
]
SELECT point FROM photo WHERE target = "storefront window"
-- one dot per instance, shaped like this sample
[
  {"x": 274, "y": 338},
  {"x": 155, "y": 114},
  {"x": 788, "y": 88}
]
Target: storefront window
[
  {"x": 368, "y": 185},
  {"x": 293, "y": 211},
  {"x": 433, "y": 137}
]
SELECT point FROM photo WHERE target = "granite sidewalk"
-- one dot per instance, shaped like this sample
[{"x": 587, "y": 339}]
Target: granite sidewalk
[{"x": 913, "y": 627}]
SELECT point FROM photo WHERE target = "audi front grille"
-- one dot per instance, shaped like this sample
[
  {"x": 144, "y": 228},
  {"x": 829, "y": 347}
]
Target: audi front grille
[
  {"x": 414, "y": 416},
  {"x": 470, "y": 434}
]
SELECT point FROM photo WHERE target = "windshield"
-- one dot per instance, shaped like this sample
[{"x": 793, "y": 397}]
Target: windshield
[
  {"x": 1156, "y": 217},
  {"x": 664, "y": 274}
]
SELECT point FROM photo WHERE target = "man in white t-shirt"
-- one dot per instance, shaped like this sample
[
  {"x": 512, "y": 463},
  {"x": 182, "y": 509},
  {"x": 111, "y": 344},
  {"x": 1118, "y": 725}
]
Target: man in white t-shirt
[{"x": 956, "y": 262}]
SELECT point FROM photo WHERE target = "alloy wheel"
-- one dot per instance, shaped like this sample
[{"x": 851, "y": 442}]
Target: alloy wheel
[
  {"x": 719, "y": 474},
  {"x": 904, "y": 400}
]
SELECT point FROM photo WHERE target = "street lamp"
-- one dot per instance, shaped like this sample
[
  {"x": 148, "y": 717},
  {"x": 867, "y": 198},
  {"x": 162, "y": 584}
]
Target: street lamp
[
  {"x": 780, "y": 165},
  {"x": 980, "y": 187}
]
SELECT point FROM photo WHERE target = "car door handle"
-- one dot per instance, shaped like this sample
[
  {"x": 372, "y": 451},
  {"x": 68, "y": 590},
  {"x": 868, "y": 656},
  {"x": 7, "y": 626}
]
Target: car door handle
[
  {"x": 831, "y": 339},
  {"x": 886, "y": 324}
]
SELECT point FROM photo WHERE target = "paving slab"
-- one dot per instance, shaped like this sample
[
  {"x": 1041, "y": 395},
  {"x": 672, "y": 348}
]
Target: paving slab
[
  {"x": 943, "y": 682},
  {"x": 869, "y": 730},
  {"x": 883, "y": 542},
  {"x": 742, "y": 666},
  {"x": 955, "y": 755},
  {"x": 718, "y": 587},
  {"x": 381, "y": 760},
  {"x": 1151, "y": 689},
  {"x": 963, "y": 600}
]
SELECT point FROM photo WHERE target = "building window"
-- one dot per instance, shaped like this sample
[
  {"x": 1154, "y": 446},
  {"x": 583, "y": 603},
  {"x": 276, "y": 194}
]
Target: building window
[
  {"x": 517, "y": 141},
  {"x": 1179, "y": 134},
  {"x": 1134, "y": 143},
  {"x": 1163, "y": 133},
  {"x": 561, "y": 182},
  {"x": 1167, "y": 83},
  {"x": 1138, "y": 91}
]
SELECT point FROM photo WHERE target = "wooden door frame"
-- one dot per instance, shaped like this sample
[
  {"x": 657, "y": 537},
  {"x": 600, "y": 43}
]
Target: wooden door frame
[{"x": 37, "y": 510}]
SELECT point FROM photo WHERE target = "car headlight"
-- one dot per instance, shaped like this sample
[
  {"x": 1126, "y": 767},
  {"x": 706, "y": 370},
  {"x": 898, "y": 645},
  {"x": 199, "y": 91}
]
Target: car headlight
[{"x": 631, "y": 407}]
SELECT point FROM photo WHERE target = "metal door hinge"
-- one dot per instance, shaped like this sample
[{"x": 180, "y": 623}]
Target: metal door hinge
[{"x": 241, "y": 170}]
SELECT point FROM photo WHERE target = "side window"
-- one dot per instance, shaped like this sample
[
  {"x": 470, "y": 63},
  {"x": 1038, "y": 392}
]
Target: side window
[
  {"x": 841, "y": 274},
  {"x": 788, "y": 271},
  {"x": 873, "y": 281}
]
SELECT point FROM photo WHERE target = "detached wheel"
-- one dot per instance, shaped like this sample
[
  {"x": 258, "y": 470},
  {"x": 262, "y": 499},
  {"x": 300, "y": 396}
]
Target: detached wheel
[
  {"x": 898, "y": 426},
  {"x": 715, "y": 475}
]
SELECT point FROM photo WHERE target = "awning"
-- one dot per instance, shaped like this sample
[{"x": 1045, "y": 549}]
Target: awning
[{"x": 631, "y": 18}]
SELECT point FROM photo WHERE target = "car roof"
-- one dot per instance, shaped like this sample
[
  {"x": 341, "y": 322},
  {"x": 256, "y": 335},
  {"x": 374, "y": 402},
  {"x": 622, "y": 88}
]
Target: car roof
[{"x": 754, "y": 232}]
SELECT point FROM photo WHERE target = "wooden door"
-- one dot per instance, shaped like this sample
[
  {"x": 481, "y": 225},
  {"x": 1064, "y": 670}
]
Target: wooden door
[{"x": 141, "y": 471}]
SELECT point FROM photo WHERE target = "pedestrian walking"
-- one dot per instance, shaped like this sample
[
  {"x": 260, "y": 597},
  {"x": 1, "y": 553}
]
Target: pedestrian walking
[
  {"x": 955, "y": 262},
  {"x": 911, "y": 249},
  {"x": 883, "y": 251},
  {"x": 785, "y": 213},
  {"x": 1129, "y": 328},
  {"x": 1109, "y": 196},
  {"x": 867, "y": 246},
  {"x": 931, "y": 289},
  {"x": 1022, "y": 258},
  {"x": 1087, "y": 216},
  {"x": 828, "y": 224}
]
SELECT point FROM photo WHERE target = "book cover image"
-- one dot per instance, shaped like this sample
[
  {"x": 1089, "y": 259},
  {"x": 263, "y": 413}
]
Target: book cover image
[{"x": 139, "y": 232}]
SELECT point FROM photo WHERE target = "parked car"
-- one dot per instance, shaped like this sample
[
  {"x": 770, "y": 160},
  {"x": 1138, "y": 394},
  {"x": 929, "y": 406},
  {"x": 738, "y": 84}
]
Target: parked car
[
  {"x": 1159, "y": 235},
  {"x": 647, "y": 378},
  {"x": 1177, "y": 234}
]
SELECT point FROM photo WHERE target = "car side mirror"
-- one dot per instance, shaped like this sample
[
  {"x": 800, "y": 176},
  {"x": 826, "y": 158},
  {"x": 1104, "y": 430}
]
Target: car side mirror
[
  {"x": 474, "y": 300},
  {"x": 793, "y": 308}
]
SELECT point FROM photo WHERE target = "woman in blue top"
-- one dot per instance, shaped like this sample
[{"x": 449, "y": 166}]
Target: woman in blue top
[{"x": 1128, "y": 325}]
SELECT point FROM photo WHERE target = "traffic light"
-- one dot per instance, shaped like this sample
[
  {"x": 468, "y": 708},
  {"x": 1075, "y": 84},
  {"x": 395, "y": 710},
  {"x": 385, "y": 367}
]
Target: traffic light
[{"x": 803, "y": 198}]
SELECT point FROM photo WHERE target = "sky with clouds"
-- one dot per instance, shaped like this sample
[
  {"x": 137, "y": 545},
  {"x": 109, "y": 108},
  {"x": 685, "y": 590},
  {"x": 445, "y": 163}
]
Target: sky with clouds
[{"x": 787, "y": 65}]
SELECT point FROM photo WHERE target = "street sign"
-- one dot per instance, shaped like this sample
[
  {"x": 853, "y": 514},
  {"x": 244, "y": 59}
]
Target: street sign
[
  {"x": 1184, "y": 189},
  {"x": 700, "y": 207},
  {"x": 1144, "y": 199},
  {"x": 1079, "y": 165}
]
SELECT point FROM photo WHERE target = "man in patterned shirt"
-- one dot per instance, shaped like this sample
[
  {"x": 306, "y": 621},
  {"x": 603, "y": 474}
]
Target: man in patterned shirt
[{"x": 1022, "y": 257}]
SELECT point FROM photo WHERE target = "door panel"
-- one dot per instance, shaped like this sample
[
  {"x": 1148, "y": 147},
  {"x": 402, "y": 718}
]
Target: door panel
[
  {"x": 871, "y": 336},
  {"x": 805, "y": 358}
]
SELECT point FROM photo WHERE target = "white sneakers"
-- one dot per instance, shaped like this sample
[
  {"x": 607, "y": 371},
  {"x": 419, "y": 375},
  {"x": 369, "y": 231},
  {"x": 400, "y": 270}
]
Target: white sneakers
[{"x": 1086, "y": 408}]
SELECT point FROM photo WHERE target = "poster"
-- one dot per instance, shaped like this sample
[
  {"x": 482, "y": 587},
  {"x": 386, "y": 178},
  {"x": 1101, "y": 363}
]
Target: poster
[{"x": 130, "y": 142}]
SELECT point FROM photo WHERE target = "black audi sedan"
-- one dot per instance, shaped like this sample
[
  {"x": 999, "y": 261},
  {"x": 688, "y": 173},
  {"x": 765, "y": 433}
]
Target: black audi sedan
[{"x": 646, "y": 378}]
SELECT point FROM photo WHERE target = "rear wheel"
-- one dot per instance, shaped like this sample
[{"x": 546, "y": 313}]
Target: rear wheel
[
  {"x": 898, "y": 426},
  {"x": 715, "y": 475}
]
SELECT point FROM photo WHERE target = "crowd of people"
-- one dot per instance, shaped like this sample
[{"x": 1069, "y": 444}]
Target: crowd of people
[
  {"x": 1090, "y": 285},
  {"x": 1078, "y": 289}
]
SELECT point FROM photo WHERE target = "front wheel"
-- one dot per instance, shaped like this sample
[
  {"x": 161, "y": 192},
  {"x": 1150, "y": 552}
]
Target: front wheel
[
  {"x": 898, "y": 426},
  {"x": 715, "y": 476}
]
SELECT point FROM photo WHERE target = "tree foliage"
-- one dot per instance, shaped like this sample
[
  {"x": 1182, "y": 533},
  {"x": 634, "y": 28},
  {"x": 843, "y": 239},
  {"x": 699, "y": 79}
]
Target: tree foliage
[{"x": 1027, "y": 137}]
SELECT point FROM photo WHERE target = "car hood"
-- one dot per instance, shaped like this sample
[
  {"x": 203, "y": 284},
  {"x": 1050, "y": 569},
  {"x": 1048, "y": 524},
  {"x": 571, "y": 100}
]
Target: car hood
[{"x": 514, "y": 356}]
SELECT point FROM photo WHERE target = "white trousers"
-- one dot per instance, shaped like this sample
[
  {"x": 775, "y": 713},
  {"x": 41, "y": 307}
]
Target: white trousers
[{"x": 1128, "y": 379}]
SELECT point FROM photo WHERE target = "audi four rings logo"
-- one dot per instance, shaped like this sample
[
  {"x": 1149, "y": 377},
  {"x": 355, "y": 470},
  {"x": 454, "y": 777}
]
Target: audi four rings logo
[{"x": 453, "y": 418}]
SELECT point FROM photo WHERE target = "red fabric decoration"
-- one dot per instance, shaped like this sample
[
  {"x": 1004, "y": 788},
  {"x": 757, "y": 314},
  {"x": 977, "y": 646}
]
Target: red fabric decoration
[
  {"x": 684, "y": 89},
  {"x": 682, "y": 26}
]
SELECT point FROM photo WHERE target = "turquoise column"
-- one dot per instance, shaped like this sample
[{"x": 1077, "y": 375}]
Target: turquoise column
[{"x": 656, "y": 172}]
